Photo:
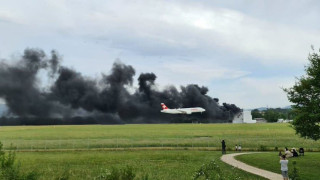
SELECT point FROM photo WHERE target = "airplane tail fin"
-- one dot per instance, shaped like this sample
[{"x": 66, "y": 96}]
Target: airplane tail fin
[{"x": 164, "y": 106}]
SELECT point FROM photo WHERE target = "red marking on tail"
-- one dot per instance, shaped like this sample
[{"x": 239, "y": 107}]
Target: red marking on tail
[{"x": 164, "y": 106}]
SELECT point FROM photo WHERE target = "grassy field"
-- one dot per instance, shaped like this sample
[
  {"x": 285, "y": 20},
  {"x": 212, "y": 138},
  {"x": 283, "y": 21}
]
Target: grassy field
[
  {"x": 165, "y": 164},
  {"x": 163, "y": 151},
  {"x": 250, "y": 136},
  {"x": 308, "y": 165}
]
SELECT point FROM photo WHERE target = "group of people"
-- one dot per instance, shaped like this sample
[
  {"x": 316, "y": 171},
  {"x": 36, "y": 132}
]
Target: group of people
[
  {"x": 238, "y": 147},
  {"x": 292, "y": 153},
  {"x": 283, "y": 157},
  {"x": 284, "y": 162},
  {"x": 223, "y": 144}
]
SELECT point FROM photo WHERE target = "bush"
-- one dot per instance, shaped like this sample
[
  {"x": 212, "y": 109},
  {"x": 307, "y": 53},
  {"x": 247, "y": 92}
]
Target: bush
[
  {"x": 294, "y": 175},
  {"x": 212, "y": 171},
  {"x": 262, "y": 148},
  {"x": 9, "y": 170}
]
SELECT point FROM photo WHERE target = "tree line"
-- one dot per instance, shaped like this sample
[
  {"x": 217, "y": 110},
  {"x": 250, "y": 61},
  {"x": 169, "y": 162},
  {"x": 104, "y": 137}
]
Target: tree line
[{"x": 273, "y": 114}]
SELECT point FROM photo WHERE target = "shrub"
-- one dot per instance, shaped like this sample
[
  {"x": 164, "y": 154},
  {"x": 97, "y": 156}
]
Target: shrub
[
  {"x": 9, "y": 170},
  {"x": 212, "y": 171},
  {"x": 262, "y": 148},
  {"x": 294, "y": 175}
]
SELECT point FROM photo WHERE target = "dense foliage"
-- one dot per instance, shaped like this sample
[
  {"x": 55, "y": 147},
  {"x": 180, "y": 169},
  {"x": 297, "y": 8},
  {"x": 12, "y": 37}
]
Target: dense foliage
[
  {"x": 9, "y": 170},
  {"x": 273, "y": 114},
  {"x": 212, "y": 171},
  {"x": 305, "y": 95}
]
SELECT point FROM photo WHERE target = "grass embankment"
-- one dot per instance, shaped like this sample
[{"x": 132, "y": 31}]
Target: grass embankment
[
  {"x": 165, "y": 164},
  {"x": 308, "y": 165},
  {"x": 250, "y": 136}
]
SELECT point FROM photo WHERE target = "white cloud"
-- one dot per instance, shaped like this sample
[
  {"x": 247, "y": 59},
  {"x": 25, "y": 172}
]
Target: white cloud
[
  {"x": 193, "y": 71},
  {"x": 250, "y": 92},
  {"x": 8, "y": 17},
  {"x": 92, "y": 34},
  {"x": 164, "y": 27},
  {"x": 267, "y": 41}
]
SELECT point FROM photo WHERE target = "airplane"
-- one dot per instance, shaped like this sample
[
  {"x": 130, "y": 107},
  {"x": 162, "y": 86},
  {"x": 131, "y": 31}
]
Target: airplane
[{"x": 165, "y": 109}]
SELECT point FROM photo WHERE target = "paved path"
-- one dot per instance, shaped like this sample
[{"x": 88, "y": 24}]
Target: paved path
[{"x": 229, "y": 159}]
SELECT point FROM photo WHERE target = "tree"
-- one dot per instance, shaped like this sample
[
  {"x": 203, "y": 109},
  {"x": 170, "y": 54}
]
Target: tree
[
  {"x": 256, "y": 114},
  {"x": 305, "y": 95},
  {"x": 271, "y": 115}
]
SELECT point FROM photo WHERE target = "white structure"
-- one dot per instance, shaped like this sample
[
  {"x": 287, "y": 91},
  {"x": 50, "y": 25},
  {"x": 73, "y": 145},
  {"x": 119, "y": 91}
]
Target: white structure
[
  {"x": 284, "y": 121},
  {"x": 280, "y": 120},
  {"x": 243, "y": 117},
  {"x": 247, "y": 117}
]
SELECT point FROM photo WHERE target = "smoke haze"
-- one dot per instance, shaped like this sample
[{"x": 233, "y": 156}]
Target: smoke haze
[{"x": 75, "y": 99}]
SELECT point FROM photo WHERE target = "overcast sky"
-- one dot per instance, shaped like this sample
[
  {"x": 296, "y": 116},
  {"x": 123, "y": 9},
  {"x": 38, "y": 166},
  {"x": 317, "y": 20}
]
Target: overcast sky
[{"x": 243, "y": 51}]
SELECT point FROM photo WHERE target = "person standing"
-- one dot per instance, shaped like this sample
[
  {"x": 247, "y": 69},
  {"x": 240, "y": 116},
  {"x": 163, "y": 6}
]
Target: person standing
[
  {"x": 223, "y": 143},
  {"x": 236, "y": 147},
  {"x": 239, "y": 148},
  {"x": 284, "y": 167}
]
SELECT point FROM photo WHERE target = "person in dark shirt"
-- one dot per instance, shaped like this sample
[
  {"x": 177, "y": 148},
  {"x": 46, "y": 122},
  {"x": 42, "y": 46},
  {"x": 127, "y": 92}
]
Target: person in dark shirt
[
  {"x": 223, "y": 144},
  {"x": 294, "y": 153},
  {"x": 301, "y": 151}
]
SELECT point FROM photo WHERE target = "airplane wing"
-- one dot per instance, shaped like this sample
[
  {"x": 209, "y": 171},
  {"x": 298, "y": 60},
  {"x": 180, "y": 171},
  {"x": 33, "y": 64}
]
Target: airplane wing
[{"x": 184, "y": 111}]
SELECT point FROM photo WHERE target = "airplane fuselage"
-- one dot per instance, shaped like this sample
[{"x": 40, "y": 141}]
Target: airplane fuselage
[{"x": 183, "y": 110}]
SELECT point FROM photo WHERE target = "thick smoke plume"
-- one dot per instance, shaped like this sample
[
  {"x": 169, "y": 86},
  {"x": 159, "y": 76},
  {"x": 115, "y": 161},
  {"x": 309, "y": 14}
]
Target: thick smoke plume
[{"x": 75, "y": 99}]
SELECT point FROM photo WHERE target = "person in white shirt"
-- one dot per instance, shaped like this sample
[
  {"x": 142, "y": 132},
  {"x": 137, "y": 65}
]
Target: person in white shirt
[
  {"x": 284, "y": 167},
  {"x": 288, "y": 153},
  {"x": 239, "y": 147}
]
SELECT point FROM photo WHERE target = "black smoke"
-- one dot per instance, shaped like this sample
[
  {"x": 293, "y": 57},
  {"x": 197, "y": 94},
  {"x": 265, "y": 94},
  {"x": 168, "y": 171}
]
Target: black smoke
[{"x": 76, "y": 99}]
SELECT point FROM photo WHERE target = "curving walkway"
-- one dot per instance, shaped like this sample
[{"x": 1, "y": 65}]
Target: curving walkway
[{"x": 229, "y": 159}]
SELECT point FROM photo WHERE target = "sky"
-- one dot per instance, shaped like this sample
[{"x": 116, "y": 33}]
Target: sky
[{"x": 244, "y": 51}]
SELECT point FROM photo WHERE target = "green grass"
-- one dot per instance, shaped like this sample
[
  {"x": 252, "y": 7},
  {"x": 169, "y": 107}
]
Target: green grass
[
  {"x": 250, "y": 136},
  {"x": 308, "y": 165},
  {"x": 144, "y": 147},
  {"x": 165, "y": 164}
]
